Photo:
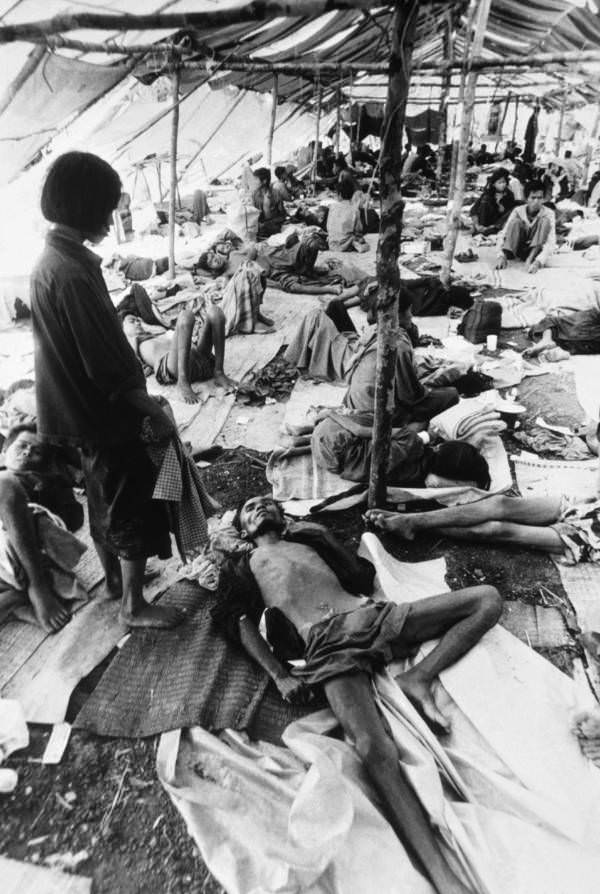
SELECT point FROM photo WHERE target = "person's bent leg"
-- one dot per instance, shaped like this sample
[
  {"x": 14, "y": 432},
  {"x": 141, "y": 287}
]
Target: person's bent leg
[
  {"x": 212, "y": 338},
  {"x": 135, "y": 611},
  {"x": 179, "y": 357},
  {"x": 18, "y": 523},
  {"x": 460, "y": 618},
  {"x": 538, "y": 511},
  {"x": 514, "y": 239},
  {"x": 351, "y": 700},
  {"x": 339, "y": 316}
]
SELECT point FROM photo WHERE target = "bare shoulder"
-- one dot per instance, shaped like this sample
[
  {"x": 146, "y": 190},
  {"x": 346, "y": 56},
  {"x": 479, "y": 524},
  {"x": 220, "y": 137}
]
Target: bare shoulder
[{"x": 9, "y": 481}]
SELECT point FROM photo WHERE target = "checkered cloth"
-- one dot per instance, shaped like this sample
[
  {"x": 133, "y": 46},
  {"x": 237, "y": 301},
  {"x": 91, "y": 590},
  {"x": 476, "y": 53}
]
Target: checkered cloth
[{"x": 178, "y": 483}]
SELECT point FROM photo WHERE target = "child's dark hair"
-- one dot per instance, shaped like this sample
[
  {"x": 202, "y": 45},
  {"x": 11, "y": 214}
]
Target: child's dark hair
[
  {"x": 81, "y": 190},
  {"x": 533, "y": 186},
  {"x": 346, "y": 187}
]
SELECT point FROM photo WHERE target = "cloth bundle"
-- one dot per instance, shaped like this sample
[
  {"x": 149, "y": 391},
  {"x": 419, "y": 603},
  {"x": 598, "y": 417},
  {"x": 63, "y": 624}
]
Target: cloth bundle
[{"x": 469, "y": 420}]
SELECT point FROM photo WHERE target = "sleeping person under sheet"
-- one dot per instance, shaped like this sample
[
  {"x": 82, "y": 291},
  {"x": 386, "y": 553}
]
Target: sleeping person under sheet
[{"x": 311, "y": 585}]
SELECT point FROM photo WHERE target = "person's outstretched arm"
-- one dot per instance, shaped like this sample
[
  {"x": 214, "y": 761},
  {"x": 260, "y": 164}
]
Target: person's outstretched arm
[{"x": 289, "y": 687}]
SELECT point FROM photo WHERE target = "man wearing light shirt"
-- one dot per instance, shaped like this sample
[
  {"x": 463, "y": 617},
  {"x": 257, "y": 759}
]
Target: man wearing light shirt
[{"x": 530, "y": 232}]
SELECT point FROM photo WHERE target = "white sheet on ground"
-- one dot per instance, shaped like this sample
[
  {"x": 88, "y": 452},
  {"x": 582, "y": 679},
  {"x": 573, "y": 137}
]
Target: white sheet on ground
[
  {"x": 510, "y": 793},
  {"x": 537, "y": 477}
]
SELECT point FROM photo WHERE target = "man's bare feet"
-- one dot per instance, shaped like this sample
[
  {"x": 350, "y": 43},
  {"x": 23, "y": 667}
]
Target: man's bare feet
[
  {"x": 418, "y": 692},
  {"x": 394, "y": 522},
  {"x": 49, "y": 613},
  {"x": 223, "y": 381},
  {"x": 187, "y": 395},
  {"x": 153, "y": 616}
]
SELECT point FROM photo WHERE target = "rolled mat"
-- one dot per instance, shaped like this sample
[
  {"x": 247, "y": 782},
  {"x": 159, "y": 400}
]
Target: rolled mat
[{"x": 190, "y": 675}]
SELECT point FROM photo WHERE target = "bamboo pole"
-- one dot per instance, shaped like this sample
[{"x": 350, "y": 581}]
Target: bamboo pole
[
  {"x": 173, "y": 21},
  {"x": 501, "y": 125},
  {"x": 313, "y": 176},
  {"x": 561, "y": 119},
  {"x": 590, "y": 148},
  {"x": 388, "y": 246},
  {"x": 274, "y": 97},
  {"x": 444, "y": 97},
  {"x": 514, "y": 131},
  {"x": 212, "y": 134},
  {"x": 483, "y": 11},
  {"x": 175, "y": 84},
  {"x": 37, "y": 32},
  {"x": 338, "y": 119}
]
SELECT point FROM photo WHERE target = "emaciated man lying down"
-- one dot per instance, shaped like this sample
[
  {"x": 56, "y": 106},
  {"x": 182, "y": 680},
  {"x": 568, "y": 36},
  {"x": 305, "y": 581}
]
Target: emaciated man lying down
[{"x": 311, "y": 585}]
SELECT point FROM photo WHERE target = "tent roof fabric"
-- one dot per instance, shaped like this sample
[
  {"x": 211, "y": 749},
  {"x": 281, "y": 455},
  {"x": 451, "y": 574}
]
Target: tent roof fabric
[{"x": 43, "y": 98}]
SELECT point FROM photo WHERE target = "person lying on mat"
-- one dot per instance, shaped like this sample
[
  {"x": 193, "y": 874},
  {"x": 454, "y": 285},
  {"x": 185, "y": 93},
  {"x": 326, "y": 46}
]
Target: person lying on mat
[
  {"x": 175, "y": 359},
  {"x": 30, "y": 478},
  {"x": 342, "y": 444},
  {"x": 311, "y": 587},
  {"x": 530, "y": 232},
  {"x": 561, "y": 525}
]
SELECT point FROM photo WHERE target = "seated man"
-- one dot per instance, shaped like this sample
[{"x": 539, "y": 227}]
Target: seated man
[
  {"x": 269, "y": 204},
  {"x": 29, "y": 483},
  {"x": 328, "y": 347},
  {"x": 344, "y": 225},
  {"x": 173, "y": 357},
  {"x": 530, "y": 231},
  {"x": 312, "y": 584},
  {"x": 342, "y": 444}
]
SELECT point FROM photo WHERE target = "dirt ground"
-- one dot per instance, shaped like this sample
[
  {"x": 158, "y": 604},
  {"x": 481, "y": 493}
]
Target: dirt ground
[{"x": 104, "y": 804}]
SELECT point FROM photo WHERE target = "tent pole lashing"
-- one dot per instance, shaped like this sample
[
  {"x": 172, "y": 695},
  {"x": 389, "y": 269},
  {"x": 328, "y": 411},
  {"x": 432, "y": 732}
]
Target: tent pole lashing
[
  {"x": 456, "y": 199},
  {"x": 388, "y": 246},
  {"x": 175, "y": 85}
]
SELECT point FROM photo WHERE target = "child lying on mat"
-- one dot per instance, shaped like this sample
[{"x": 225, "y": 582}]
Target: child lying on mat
[
  {"x": 310, "y": 586},
  {"x": 37, "y": 511}
]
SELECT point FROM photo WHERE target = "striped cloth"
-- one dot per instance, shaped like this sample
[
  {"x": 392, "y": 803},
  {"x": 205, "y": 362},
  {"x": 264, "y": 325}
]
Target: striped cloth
[
  {"x": 242, "y": 298},
  {"x": 179, "y": 484}
]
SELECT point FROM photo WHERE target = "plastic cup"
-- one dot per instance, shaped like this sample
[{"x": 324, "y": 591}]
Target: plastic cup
[{"x": 491, "y": 342}]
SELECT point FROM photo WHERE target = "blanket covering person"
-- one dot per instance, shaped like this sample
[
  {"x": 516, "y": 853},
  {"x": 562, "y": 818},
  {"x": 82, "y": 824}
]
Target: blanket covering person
[{"x": 242, "y": 298}]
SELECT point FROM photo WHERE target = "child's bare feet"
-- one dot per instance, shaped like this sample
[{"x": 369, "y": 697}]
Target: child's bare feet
[
  {"x": 153, "y": 616},
  {"x": 266, "y": 321},
  {"x": 418, "y": 692},
  {"x": 394, "y": 522},
  {"x": 187, "y": 395},
  {"x": 49, "y": 613}
]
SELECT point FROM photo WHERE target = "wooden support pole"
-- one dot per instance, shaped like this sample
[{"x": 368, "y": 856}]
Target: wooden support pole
[
  {"x": 516, "y": 121},
  {"x": 274, "y": 98},
  {"x": 313, "y": 176},
  {"x": 590, "y": 148},
  {"x": 561, "y": 119},
  {"x": 445, "y": 94},
  {"x": 338, "y": 119},
  {"x": 175, "y": 84},
  {"x": 456, "y": 199},
  {"x": 388, "y": 246},
  {"x": 174, "y": 21},
  {"x": 501, "y": 124}
]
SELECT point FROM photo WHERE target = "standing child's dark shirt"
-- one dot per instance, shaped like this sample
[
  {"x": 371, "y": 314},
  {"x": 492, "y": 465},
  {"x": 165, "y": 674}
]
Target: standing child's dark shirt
[{"x": 83, "y": 361}]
